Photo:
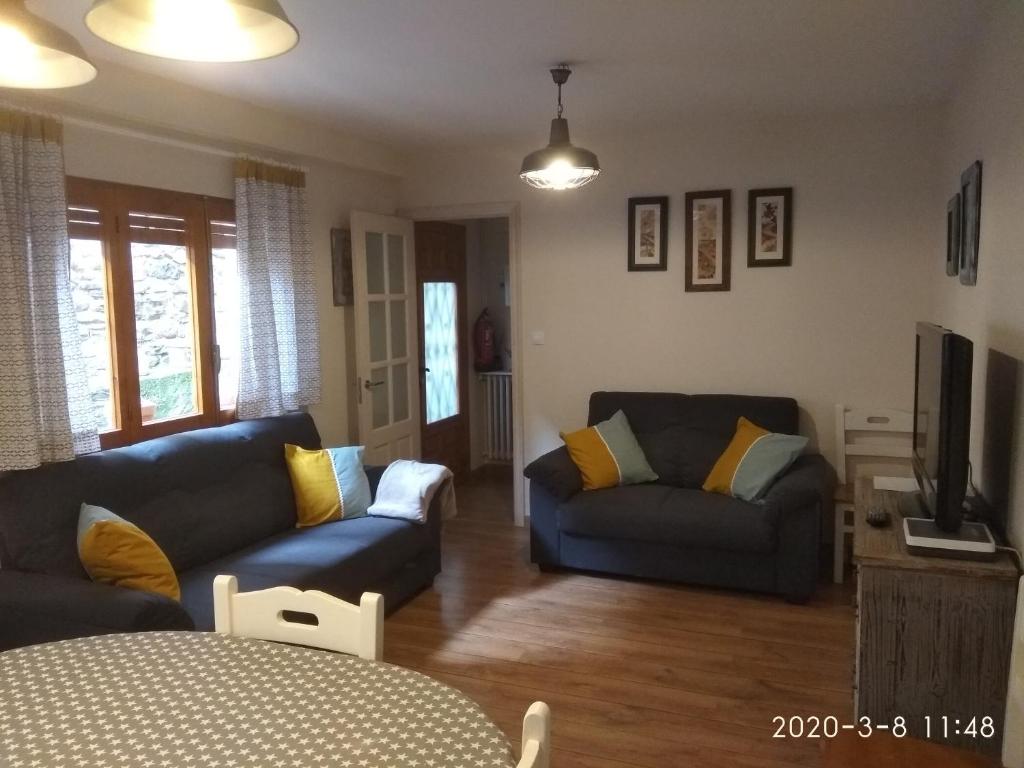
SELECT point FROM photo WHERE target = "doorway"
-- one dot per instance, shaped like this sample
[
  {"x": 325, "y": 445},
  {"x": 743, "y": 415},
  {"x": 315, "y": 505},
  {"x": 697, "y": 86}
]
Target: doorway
[{"x": 466, "y": 343}]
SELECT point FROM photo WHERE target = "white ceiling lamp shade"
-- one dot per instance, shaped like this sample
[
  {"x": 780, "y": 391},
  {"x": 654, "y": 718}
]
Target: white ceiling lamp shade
[
  {"x": 195, "y": 30},
  {"x": 37, "y": 54},
  {"x": 560, "y": 165}
]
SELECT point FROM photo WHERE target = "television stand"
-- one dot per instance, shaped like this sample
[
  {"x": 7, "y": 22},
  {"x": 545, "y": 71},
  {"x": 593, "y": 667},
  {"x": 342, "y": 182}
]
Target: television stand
[
  {"x": 911, "y": 504},
  {"x": 973, "y": 541},
  {"x": 933, "y": 633}
]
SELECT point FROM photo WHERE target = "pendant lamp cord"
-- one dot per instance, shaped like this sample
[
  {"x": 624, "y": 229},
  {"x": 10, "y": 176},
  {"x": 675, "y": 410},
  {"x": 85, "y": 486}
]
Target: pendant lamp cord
[{"x": 559, "y": 99}]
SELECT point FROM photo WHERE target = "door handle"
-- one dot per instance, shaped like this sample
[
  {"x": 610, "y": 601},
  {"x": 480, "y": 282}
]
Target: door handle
[
  {"x": 424, "y": 370},
  {"x": 372, "y": 384}
]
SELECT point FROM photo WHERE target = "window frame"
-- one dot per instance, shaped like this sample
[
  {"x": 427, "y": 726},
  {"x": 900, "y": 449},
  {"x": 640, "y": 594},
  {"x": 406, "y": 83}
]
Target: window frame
[{"x": 115, "y": 201}]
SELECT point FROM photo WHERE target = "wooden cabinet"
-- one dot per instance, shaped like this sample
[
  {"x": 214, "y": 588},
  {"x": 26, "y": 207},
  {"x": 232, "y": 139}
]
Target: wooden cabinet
[{"x": 933, "y": 634}]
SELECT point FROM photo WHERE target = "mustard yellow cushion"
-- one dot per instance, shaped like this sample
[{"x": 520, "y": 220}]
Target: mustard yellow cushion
[
  {"x": 315, "y": 485},
  {"x": 752, "y": 460},
  {"x": 608, "y": 454},
  {"x": 114, "y": 551}
]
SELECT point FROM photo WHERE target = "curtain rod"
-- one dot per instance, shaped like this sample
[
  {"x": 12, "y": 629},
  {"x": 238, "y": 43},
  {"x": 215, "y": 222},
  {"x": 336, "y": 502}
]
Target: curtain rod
[{"x": 137, "y": 133}]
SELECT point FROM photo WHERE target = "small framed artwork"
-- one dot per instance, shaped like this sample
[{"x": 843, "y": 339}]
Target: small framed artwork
[
  {"x": 770, "y": 227},
  {"x": 708, "y": 240},
  {"x": 970, "y": 223},
  {"x": 648, "y": 234},
  {"x": 341, "y": 267},
  {"x": 953, "y": 235}
]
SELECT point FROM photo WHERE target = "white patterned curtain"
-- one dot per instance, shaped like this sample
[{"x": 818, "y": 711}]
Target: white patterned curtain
[
  {"x": 279, "y": 334},
  {"x": 45, "y": 410}
]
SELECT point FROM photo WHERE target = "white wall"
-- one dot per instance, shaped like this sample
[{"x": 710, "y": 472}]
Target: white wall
[
  {"x": 986, "y": 122},
  {"x": 835, "y": 327}
]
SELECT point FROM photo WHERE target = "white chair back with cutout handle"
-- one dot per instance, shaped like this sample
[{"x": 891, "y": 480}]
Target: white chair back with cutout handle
[
  {"x": 340, "y": 626},
  {"x": 536, "y": 750},
  {"x": 868, "y": 442}
]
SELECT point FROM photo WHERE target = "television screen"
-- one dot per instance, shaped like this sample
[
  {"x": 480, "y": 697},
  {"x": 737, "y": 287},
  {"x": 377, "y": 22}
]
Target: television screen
[
  {"x": 942, "y": 413},
  {"x": 928, "y": 407}
]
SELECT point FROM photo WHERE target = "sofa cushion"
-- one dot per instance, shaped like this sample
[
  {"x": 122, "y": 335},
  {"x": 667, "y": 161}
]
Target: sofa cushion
[
  {"x": 342, "y": 558},
  {"x": 682, "y": 456},
  {"x": 114, "y": 551},
  {"x": 608, "y": 454},
  {"x": 683, "y": 435},
  {"x": 752, "y": 461},
  {"x": 681, "y": 516},
  {"x": 199, "y": 494}
]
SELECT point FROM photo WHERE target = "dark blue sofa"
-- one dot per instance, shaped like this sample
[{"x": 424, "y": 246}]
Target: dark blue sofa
[
  {"x": 672, "y": 529},
  {"x": 216, "y": 501}
]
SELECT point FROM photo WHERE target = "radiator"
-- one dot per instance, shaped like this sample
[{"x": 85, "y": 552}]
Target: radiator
[{"x": 498, "y": 415}]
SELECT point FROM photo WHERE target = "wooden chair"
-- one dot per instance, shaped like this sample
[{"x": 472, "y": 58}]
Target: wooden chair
[
  {"x": 536, "y": 750},
  {"x": 340, "y": 626},
  {"x": 1013, "y": 724},
  {"x": 877, "y": 440}
]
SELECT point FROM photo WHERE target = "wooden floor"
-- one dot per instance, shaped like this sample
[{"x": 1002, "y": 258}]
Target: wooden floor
[{"x": 636, "y": 673}]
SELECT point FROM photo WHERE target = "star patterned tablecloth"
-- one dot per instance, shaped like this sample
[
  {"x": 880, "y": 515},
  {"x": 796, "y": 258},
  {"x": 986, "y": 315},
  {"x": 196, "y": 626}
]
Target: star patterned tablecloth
[{"x": 205, "y": 700}]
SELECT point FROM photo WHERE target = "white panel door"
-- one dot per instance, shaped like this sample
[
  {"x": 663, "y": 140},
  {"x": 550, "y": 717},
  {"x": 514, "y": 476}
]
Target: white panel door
[{"x": 387, "y": 353}]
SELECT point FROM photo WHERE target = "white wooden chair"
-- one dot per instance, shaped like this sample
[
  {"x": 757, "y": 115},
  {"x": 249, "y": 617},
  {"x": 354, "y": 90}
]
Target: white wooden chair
[
  {"x": 1013, "y": 724},
  {"x": 871, "y": 442},
  {"x": 341, "y": 626},
  {"x": 536, "y": 749}
]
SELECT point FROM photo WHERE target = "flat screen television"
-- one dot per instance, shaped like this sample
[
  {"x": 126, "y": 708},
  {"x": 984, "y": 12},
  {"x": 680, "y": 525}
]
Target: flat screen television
[{"x": 942, "y": 422}]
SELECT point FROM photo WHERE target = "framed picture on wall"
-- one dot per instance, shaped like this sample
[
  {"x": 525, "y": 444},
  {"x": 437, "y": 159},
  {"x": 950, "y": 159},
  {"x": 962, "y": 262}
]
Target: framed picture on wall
[
  {"x": 770, "y": 227},
  {"x": 953, "y": 235},
  {"x": 970, "y": 223},
  {"x": 708, "y": 240},
  {"x": 341, "y": 267},
  {"x": 648, "y": 234}
]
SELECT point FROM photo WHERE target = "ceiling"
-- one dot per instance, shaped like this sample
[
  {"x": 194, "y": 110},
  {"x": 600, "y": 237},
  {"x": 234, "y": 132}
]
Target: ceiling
[{"x": 456, "y": 72}]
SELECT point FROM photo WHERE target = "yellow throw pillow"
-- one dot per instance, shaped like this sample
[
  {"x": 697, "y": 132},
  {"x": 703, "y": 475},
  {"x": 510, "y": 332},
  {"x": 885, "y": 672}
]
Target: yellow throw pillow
[
  {"x": 752, "y": 461},
  {"x": 315, "y": 485},
  {"x": 607, "y": 454},
  {"x": 114, "y": 551}
]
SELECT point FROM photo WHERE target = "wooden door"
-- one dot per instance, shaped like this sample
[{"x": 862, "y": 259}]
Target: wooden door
[
  {"x": 443, "y": 344},
  {"x": 385, "y": 291}
]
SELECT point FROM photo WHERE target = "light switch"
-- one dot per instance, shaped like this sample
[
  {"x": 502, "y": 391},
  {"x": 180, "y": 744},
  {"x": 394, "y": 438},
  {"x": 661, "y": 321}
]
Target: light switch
[{"x": 537, "y": 338}]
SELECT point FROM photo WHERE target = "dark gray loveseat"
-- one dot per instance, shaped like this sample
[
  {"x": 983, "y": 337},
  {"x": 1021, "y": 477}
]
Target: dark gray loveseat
[
  {"x": 216, "y": 501},
  {"x": 672, "y": 529}
]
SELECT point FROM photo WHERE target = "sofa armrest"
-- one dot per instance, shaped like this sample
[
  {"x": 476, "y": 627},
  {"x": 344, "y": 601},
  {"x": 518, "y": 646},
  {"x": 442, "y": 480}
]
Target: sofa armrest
[
  {"x": 39, "y": 607},
  {"x": 556, "y": 472},
  {"x": 800, "y": 498},
  {"x": 809, "y": 480}
]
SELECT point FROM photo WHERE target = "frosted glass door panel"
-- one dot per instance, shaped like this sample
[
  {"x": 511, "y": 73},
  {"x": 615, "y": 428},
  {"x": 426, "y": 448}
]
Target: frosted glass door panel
[
  {"x": 374, "y": 262},
  {"x": 398, "y": 328},
  {"x": 400, "y": 388},
  {"x": 379, "y": 389},
  {"x": 396, "y": 264},
  {"x": 378, "y": 331},
  {"x": 441, "y": 350}
]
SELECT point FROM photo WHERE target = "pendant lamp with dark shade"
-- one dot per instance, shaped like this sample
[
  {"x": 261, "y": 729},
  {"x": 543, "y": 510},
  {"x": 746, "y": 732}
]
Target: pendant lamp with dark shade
[{"x": 560, "y": 165}]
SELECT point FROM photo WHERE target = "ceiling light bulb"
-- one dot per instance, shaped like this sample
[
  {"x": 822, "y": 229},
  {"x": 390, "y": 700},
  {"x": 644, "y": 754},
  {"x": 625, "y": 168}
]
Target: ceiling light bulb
[
  {"x": 37, "y": 54},
  {"x": 195, "y": 30}
]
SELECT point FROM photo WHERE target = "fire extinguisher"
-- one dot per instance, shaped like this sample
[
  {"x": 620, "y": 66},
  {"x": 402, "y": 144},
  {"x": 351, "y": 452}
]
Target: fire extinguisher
[{"x": 484, "y": 356}]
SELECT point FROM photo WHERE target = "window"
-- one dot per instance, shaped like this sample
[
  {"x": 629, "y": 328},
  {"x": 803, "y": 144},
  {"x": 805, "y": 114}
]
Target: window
[
  {"x": 440, "y": 350},
  {"x": 155, "y": 287}
]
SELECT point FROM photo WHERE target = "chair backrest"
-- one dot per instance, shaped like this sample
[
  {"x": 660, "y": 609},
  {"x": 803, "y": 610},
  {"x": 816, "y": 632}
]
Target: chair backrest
[
  {"x": 340, "y": 626},
  {"x": 1013, "y": 724},
  {"x": 882, "y": 437},
  {"x": 536, "y": 749}
]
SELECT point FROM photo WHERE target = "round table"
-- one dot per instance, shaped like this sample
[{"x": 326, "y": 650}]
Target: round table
[{"x": 207, "y": 700}]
